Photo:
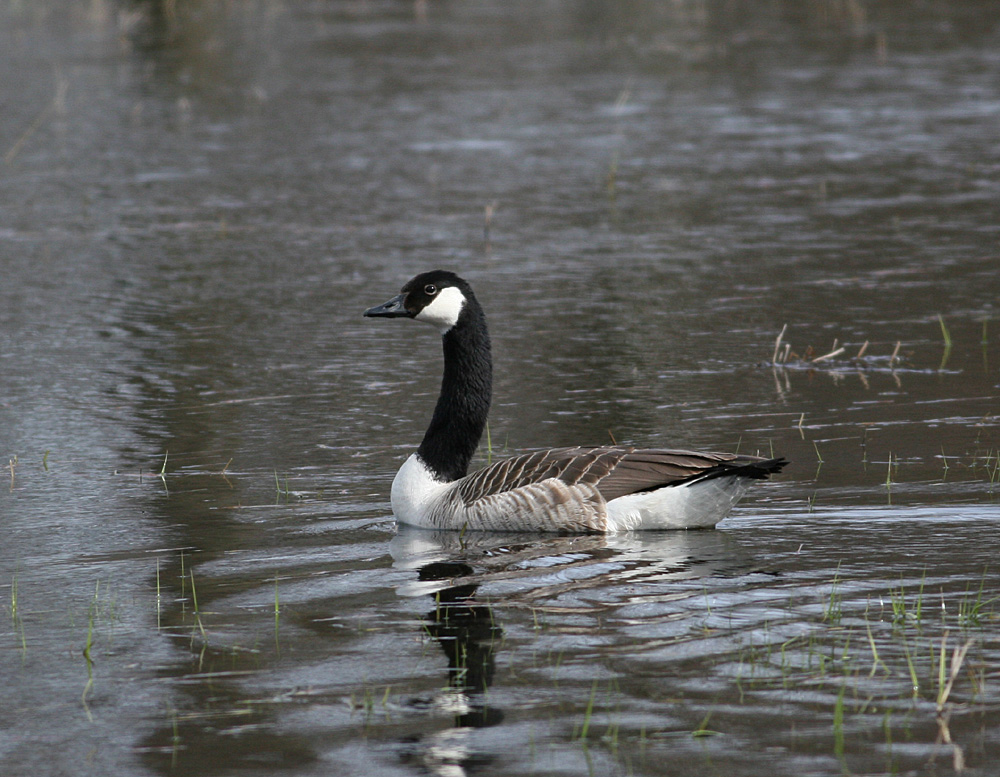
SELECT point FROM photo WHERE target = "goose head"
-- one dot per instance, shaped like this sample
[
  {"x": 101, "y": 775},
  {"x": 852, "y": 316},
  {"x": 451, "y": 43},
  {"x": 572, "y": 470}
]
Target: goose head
[{"x": 437, "y": 297}]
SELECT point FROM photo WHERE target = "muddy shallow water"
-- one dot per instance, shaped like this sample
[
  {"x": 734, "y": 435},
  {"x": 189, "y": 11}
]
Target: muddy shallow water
[{"x": 199, "y": 567}]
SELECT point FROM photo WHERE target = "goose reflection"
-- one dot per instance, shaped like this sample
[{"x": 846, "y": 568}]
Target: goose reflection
[
  {"x": 467, "y": 633},
  {"x": 530, "y": 570},
  {"x": 548, "y": 565}
]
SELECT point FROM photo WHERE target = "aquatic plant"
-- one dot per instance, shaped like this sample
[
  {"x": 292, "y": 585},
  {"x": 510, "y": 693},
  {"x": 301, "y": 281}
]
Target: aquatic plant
[
  {"x": 15, "y": 614},
  {"x": 196, "y": 611},
  {"x": 832, "y": 613}
]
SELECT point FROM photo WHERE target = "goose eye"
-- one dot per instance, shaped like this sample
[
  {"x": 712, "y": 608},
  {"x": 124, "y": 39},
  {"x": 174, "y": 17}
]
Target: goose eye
[{"x": 430, "y": 290}]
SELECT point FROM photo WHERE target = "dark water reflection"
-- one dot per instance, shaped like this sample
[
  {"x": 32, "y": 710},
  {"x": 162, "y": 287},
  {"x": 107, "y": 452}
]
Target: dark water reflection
[{"x": 200, "y": 569}]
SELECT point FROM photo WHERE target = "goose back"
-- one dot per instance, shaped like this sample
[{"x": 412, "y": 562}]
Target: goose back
[{"x": 614, "y": 470}]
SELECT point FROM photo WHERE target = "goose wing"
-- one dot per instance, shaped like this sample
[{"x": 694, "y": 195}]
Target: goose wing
[
  {"x": 645, "y": 470},
  {"x": 614, "y": 470}
]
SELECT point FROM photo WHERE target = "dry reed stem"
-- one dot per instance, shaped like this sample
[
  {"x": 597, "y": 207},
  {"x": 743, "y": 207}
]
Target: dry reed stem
[
  {"x": 777, "y": 344},
  {"x": 830, "y": 355},
  {"x": 895, "y": 353}
]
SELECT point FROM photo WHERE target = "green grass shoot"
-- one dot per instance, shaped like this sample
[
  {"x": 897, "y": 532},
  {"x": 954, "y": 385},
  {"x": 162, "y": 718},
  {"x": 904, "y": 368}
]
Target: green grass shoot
[
  {"x": 588, "y": 713},
  {"x": 279, "y": 491},
  {"x": 944, "y": 332},
  {"x": 838, "y": 723},
  {"x": 876, "y": 661},
  {"x": 13, "y": 598},
  {"x": 832, "y": 611},
  {"x": 703, "y": 730},
  {"x": 197, "y": 612},
  {"x": 898, "y": 600},
  {"x": 912, "y": 669},
  {"x": 941, "y": 670},
  {"x": 87, "y": 648},
  {"x": 15, "y": 614},
  {"x": 947, "y": 343},
  {"x": 946, "y": 681},
  {"x": 175, "y": 739},
  {"x": 970, "y": 609}
]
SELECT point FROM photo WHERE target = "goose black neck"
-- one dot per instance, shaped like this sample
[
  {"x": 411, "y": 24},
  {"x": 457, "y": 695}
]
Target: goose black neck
[{"x": 464, "y": 405}]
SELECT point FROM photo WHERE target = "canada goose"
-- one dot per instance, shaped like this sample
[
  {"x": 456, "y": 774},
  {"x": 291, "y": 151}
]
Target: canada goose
[{"x": 570, "y": 490}]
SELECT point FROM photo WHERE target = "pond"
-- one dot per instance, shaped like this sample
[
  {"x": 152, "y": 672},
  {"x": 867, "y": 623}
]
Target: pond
[{"x": 765, "y": 227}]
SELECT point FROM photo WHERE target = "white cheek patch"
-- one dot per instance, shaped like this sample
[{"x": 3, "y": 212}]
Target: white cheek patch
[{"x": 444, "y": 309}]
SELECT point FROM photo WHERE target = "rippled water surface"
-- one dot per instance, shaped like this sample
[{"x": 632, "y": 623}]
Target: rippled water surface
[{"x": 199, "y": 566}]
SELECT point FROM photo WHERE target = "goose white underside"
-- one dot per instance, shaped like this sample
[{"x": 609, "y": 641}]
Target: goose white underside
[
  {"x": 420, "y": 499},
  {"x": 697, "y": 505}
]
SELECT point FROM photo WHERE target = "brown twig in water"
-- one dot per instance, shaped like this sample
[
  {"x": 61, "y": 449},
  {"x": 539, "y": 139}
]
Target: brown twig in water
[
  {"x": 830, "y": 355},
  {"x": 895, "y": 353}
]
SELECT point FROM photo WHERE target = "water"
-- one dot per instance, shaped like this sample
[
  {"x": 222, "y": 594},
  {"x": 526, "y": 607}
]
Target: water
[{"x": 200, "y": 570}]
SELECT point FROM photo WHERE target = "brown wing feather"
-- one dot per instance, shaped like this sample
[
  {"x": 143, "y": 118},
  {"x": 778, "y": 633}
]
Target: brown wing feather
[
  {"x": 566, "y": 464},
  {"x": 642, "y": 470},
  {"x": 615, "y": 470}
]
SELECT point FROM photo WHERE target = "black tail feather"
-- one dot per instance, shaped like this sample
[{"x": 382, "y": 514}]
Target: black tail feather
[
  {"x": 750, "y": 467},
  {"x": 760, "y": 470}
]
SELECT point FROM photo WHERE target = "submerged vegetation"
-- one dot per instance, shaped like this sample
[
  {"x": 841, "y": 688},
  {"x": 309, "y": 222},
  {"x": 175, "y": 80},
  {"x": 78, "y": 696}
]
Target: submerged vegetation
[
  {"x": 838, "y": 357},
  {"x": 860, "y": 665},
  {"x": 877, "y": 666}
]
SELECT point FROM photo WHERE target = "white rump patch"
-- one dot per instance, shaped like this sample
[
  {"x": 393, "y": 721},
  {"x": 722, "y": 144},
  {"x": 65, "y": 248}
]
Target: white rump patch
[
  {"x": 444, "y": 309},
  {"x": 699, "y": 505}
]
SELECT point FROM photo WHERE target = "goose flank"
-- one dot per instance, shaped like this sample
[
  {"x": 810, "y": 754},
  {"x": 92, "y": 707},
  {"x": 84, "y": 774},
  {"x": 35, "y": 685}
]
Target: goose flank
[{"x": 570, "y": 490}]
